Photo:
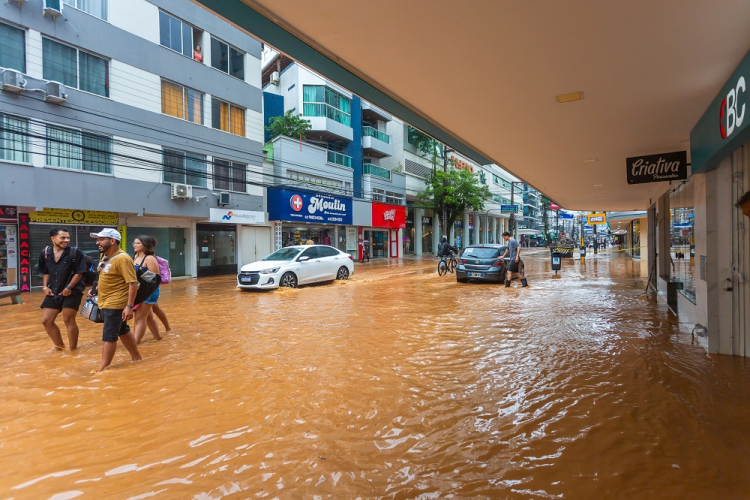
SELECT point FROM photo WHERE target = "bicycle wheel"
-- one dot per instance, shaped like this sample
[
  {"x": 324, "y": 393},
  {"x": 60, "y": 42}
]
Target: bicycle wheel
[
  {"x": 442, "y": 267},
  {"x": 452, "y": 265}
]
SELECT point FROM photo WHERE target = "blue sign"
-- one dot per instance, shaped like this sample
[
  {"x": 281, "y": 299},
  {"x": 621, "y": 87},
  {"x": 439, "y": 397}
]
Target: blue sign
[
  {"x": 683, "y": 224},
  {"x": 508, "y": 208},
  {"x": 563, "y": 215},
  {"x": 305, "y": 206}
]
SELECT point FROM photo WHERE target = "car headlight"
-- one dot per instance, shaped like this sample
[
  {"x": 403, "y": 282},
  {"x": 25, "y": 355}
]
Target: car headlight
[{"x": 270, "y": 270}]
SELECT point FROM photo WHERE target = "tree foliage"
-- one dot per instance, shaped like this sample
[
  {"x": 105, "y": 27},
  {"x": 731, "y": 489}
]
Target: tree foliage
[
  {"x": 456, "y": 191},
  {"x": 290, "y": 125},
  {"x": 545, "y": 213}
]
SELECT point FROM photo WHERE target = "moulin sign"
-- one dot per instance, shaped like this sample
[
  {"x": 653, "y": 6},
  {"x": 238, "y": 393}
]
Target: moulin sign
[{"x": 657, "y": 168}]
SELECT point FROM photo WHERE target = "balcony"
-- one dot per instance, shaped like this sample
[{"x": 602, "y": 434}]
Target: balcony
[
  {"x": 371, "y": 169},
  {"x": 328, "y": 123},
  {"x": 376, "y": 143},
  {"x": 339, "y": 159},
  {"x": 373, "y": 113}
]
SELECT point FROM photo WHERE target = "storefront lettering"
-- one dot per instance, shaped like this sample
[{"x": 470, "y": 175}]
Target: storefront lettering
[
  {"x": 657, "y": 168},
  {"x": 321, "y": 204},
  {"x": 389, "y": 215},
  {"x": 25, "y": 262}
]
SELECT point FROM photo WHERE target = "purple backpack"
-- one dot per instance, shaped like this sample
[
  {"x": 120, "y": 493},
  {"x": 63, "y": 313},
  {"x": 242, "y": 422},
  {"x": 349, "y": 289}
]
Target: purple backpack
[{"x": 164, "y": 271}]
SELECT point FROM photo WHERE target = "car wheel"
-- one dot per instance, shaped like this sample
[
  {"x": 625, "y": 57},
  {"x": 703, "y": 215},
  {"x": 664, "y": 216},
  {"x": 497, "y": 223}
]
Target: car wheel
[
  {"x": 461, "y": 280},
  {"x": 288, "y": 280},
  {"x": 343, "y": 273}
]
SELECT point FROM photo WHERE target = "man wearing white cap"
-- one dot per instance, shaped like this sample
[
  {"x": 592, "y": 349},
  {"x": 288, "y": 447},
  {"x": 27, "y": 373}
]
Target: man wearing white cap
[{"x": 117, "y": 288}]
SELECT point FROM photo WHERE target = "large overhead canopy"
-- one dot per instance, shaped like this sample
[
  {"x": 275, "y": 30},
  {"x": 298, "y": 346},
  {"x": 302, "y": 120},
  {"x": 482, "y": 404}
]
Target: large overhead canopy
[{"x": 482, "y": 76}]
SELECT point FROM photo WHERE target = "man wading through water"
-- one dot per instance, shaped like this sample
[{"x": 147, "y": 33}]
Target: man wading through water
[
  {"x": 117, "y": 288},
  {"x": 515, "y": 258},
  {"x": 63, "y": 267}
]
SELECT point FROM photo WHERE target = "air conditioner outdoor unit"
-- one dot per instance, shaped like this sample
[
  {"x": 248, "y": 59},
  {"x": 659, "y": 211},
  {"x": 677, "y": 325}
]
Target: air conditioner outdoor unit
[
  {"x": 223, "y": 198},
  {"x": 275, "y": 78},
  {"x": 56, "y": 93},
  {"x": 182, "y": 191},
  {"x": 13, "y": 81},
  {"x": 52, "y": 8},
  {"x": 20, "y": 2}
]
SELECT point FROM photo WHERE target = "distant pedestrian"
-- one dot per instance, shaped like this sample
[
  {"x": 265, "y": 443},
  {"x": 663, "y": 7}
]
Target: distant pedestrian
[
  {"x": 144, "y": 247},
  {"x": 365, "y": 250},
  {"x": 62, "y": 267},
  {"x": 117, "y": 288},
  {"x": 744, "y": 204},
  {"x": 309, "y": 241},
  {"x": 514, "y": 249}
]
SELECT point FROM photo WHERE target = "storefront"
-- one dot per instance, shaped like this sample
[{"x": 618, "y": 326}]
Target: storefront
[
  {"x": 9, "y": 276},
  {"x": 301, "y": 216},
  {"x": 383, "y": 235},
  {"x": 427, "y": 232},
  {"x": 217, "y": 249}
]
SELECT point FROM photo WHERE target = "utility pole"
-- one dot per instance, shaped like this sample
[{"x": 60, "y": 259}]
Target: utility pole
[
  {"x": 446, "y": 232},
  {"x": 512, "y": 218}
]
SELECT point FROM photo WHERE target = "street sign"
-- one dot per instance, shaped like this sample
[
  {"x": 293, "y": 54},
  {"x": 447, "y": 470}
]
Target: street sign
[
  {"x": 508, "y": 209},
  {"x": 563, "y": 215},
  {"x": 597, "y": 219},
  {"x": 554, "y": 206}
]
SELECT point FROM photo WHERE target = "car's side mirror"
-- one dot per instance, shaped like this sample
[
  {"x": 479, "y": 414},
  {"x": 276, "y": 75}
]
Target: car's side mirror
[{"x": 304, "y": 258}]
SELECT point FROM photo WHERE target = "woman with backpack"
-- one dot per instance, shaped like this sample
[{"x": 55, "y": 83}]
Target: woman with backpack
[{"x": 144, "y": 247}]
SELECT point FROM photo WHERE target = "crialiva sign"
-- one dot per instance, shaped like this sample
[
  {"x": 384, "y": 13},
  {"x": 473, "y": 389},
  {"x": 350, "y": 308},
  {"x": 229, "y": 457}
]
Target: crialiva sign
[{"x": 657, "y": 168}]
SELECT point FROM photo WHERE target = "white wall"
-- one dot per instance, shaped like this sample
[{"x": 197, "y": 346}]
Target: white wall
[
  {"x": 134, "y": 87},
  {"x": 136, "y": 16},
  {"x": 34, "y": 54},
  {"x": 136, "y": 170}
]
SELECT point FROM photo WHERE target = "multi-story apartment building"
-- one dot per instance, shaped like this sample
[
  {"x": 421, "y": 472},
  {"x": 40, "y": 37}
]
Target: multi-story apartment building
[{"x": 142, "y": 114}]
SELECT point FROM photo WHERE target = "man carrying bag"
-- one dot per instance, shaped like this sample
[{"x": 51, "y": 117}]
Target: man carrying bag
[{"x": 117, "y": 289}]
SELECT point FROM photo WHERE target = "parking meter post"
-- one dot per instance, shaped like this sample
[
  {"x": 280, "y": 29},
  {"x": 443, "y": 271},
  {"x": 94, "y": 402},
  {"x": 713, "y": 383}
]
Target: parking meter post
[{"x": 583, "y": 253}]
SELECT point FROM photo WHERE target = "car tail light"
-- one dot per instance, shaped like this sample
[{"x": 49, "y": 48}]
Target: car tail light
[
  {"x": 351, "y": 258},
  {"x": 497, "y": 263},
  {"x": 463, "y": 261}
]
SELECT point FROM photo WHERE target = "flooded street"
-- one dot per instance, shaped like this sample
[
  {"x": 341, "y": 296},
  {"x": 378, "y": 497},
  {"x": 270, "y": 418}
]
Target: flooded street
[{"x": 397, "y": 384}]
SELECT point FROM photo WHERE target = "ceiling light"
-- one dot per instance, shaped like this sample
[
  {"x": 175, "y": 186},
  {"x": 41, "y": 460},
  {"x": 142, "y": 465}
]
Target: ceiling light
[
  {"x": 590, "y": 160},
  {"x": 602, "y": 198},
  {"x": 573, "y": 96},
  {"x": 597, "y": 185}
]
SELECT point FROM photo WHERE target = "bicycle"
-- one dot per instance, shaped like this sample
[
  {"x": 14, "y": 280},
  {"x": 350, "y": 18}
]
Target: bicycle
[{"x": 447, "y": 264}]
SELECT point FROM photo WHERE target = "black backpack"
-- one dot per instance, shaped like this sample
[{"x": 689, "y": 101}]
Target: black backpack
[
  {"x": 148, "y": 282},
  {"x": 89, "y": 276}
]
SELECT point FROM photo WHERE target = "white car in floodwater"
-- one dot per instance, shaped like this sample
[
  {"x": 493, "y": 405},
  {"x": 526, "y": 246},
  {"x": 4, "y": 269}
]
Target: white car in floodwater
[{"x": 297, "y": 265}]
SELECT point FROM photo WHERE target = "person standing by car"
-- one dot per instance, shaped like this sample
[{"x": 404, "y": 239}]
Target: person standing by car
[
  {"x": 63, "y": 267},
  {"x": 117, "y": 288},
  {"x": 515, "y": 258}
]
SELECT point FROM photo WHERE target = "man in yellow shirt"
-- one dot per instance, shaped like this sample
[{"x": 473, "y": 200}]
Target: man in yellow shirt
[{"x": 117, "y": 287}]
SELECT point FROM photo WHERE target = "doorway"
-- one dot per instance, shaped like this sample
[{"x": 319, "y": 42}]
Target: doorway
[{"x": 216, "y": 249}]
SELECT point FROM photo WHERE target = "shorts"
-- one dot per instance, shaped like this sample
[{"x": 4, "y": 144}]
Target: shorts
[
  {"x": 114, "y": 326},
  {"x": 151, "y": 299},
  {"x": 60, "y": 302},
  {"x": 513, "y": 266}
]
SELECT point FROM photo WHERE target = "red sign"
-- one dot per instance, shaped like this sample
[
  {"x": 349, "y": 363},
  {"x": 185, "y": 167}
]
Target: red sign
[
  {"x": 24, "y": 250},
  {"x": 554, "y": 206},
  {"x": 460, "y": 164},
  {"x": 8, "y": 214},
  {"x": 393, "y": 216}
]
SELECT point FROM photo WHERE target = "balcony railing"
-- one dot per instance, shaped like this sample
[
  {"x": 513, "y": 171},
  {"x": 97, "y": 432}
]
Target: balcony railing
[
  {"x": 328, "y": 111},
  {"x": 371, "y": 169},
  {"x": 340, "y": 159},
  {"x": 377, "y": 134}
]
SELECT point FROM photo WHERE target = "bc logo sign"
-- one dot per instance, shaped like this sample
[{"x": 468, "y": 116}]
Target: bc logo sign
[{"x": 731, "y": 115}]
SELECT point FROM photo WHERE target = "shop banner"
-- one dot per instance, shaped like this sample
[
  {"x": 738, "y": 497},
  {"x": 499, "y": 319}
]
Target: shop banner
[
  {"x": 11, "y": 237},
  {"x": 393, "y": 216},
  {"x": 657, "y": 168},
  {"x": 597, "y": 219},
  {"x": 24, "y": 251},
  {"x": 124, "y": 241},
  {"x": 8, "y": 214},
  {"x": 304, "y": 206},
  {"x": 66, "y": 216},
  {"x": 237, "y": 216}
]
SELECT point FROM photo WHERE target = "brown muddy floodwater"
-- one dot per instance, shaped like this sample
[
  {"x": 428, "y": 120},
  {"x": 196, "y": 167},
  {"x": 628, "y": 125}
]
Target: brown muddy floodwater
[{"x": 396, "y": 384}]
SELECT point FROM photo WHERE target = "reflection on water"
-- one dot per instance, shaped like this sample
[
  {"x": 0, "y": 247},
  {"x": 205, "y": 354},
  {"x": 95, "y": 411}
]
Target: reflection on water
[{"x": 397, "y": 383}]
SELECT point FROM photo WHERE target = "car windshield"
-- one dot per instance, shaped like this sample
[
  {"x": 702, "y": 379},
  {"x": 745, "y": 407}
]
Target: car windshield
[
  {"x": 481, "y": 253},
  {"x": 284, "y": 254}
]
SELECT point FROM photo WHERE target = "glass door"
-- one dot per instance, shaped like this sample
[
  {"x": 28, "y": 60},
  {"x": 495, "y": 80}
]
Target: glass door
[
  {"x": 8, "y": 256},
  {"x": 217, "y": 250}
]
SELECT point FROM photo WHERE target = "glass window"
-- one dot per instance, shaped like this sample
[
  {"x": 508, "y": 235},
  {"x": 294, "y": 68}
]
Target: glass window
[
  {"x": 230, "y": 176},
  {"x": 12, "y": 48},
  {"x": 181, "y": 102},
  {"x": 175, "y": 34},
  {"x": 69, "y": 148},
  {"x": 283, "y": 254},
  {"x": 227, "y": 117},
  {"x": 184, "y": 168},
  {"x": 682, "y": 237},
  {"x": 328, "y": 252},
  {"x": 311, "y": 252},
  {"x": 74, "y": 68},
  {"x": 14, "y": 138},
  {"x": 97, "y": 8},
  {"x": 227, "y": 59},
  {"x": 319, "y": 100}
]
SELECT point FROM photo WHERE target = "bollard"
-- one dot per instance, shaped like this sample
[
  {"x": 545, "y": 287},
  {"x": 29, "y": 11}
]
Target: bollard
[
  {"x": 583, "y": 255},
  {"x": 556, "y": 261}
]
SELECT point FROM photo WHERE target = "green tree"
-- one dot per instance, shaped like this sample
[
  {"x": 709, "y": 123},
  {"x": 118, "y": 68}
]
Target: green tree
[
  {"x": 426, "y": 145},
  {"x": 290, "y": 125},
  {"x": 454, "y": 190},
  {"x": 545, "y": 212}
]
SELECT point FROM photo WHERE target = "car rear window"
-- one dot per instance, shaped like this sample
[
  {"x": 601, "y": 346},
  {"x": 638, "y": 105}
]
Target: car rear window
[{"x": 480, "y": 253}]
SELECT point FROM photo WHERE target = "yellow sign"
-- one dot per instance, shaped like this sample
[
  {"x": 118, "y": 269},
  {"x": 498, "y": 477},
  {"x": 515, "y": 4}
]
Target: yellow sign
[
  {"x": 124, "y": 242},
  {"x": 597, "y": 219},
  {"x": 67, "y": 216}
]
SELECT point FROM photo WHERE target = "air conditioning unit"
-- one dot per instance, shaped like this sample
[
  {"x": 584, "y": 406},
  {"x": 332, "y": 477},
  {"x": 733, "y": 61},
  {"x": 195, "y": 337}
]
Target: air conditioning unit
[
  {"x": 56, "y": 93},
  {"x": 223, "y": 198},
  {"x": 274, "y": 78},
  {"x": 13, "y": 81},
  {"x": 20, "y": 2},
  {"x": 52, "y": 8},
  {"x": 182, "y": 192}
]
